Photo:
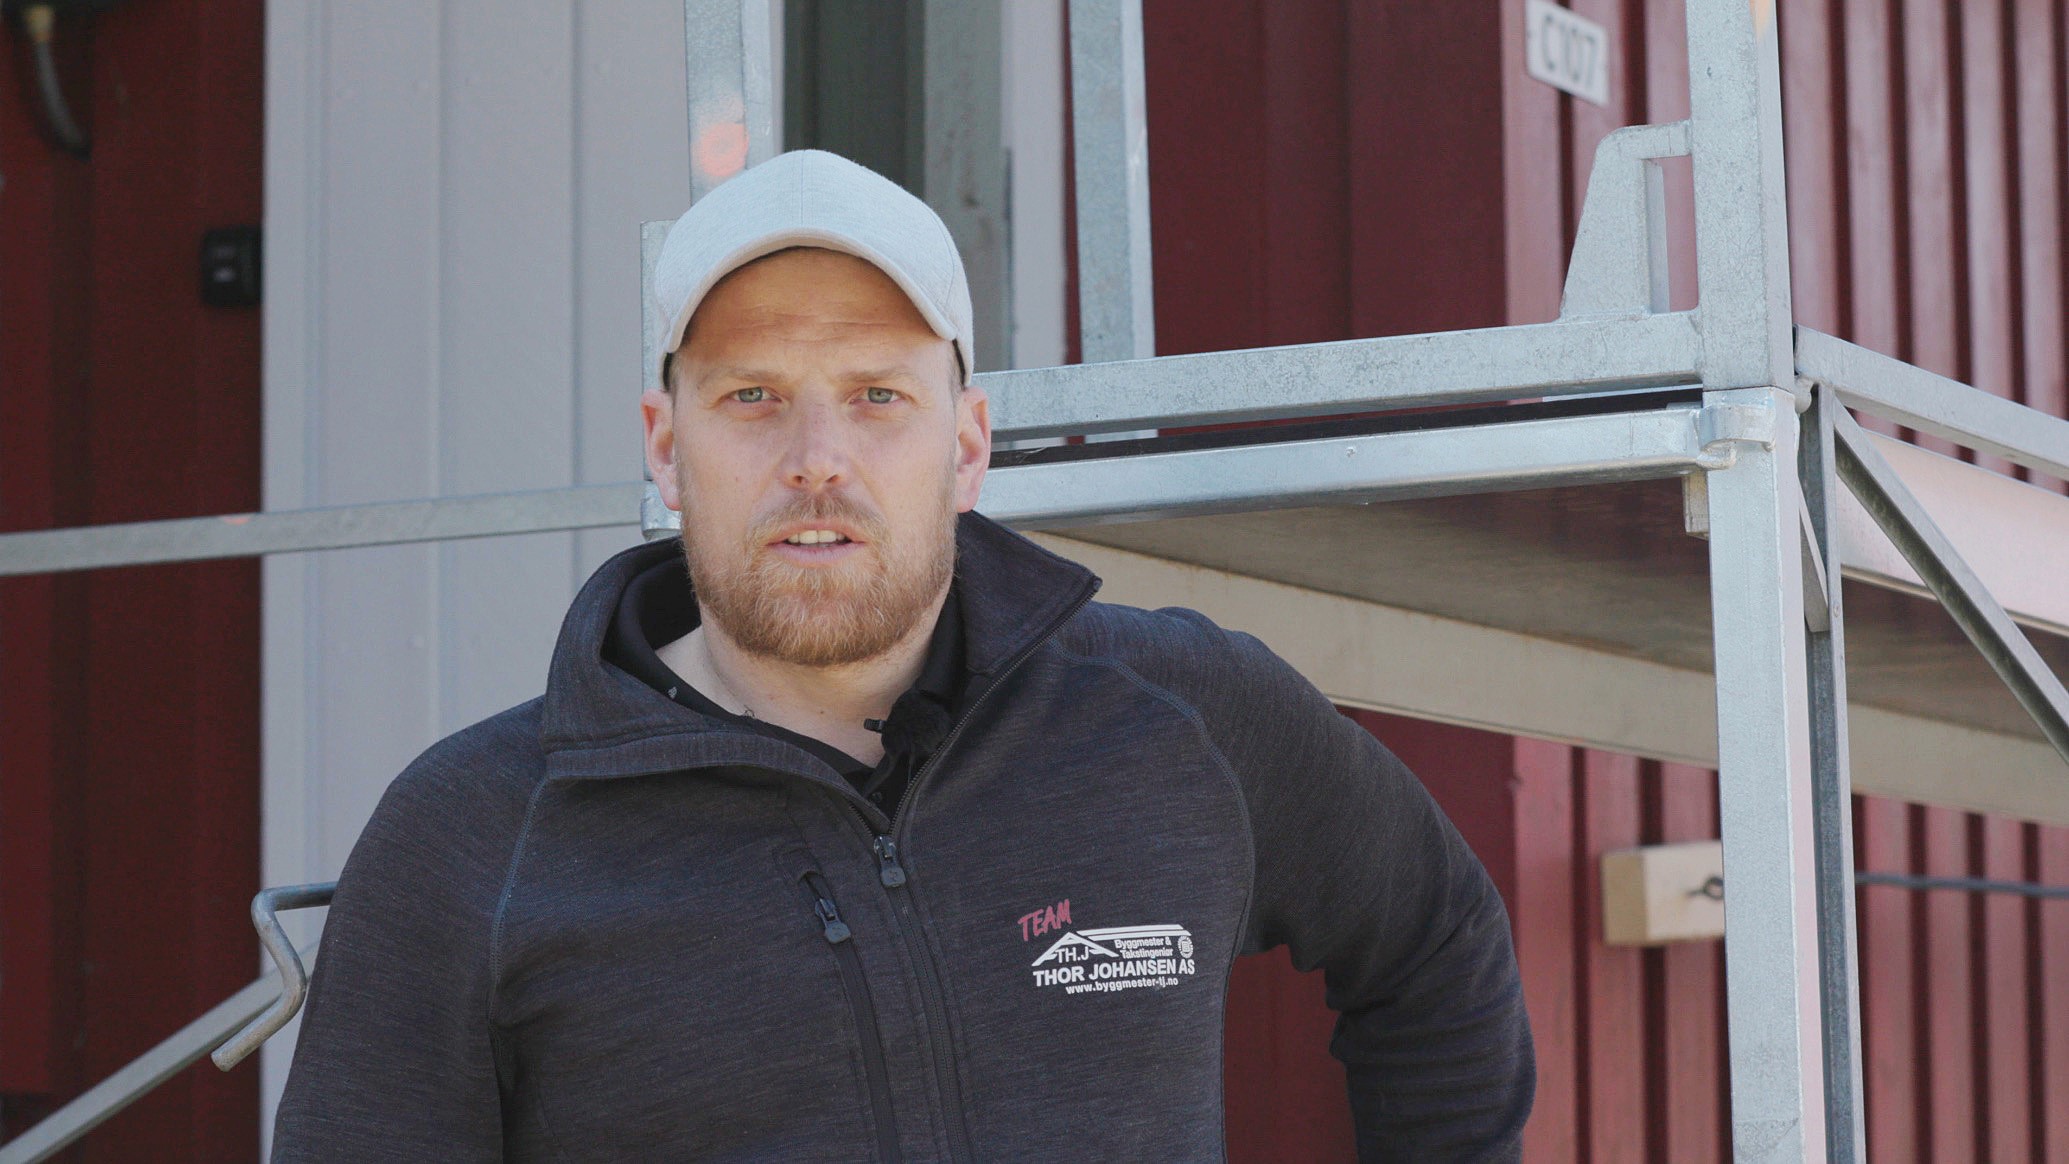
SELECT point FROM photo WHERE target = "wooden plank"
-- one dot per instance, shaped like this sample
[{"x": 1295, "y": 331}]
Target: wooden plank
[
  {"x": 1205, "y": 85},
  {"x": 171, "y": 852},
  {"x": 369, "y": 392},
  {"x": 631, "y": 165},
  {"x": 1428, "y": 154},
  {"x": 1889, "y": 959},
  {"x": 1931, "y": 204},
  {"x": 1986, "y": 85},
  {"x": 1285, "y": 1094},
  {"x": 1469, "y": 773},
  {"x": 1946, "y": 986},
  {"x": 1808, "y": 101},
  {"x": 506, "y": 339},
  {"x": 1533, "y": 178},
  {"x": 1612, "y": 979},
  {"x": 1311, "y": 146},
  {"x": 1872, "y": 300},
  {"x": 1543, "y": 914},
  {"x": 1689, "y": 1023},
  {"x": 2004, "y": 996},
  {"x": 2039, "y": 73},
  {"x": 2050, "y": 866},
  {"x": 44, "y": 350},
  {"x": 1654, "y": 895}
]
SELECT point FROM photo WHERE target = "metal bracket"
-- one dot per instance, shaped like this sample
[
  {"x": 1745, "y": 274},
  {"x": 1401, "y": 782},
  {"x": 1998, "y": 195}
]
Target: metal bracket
[
  {"x": 1619, "y": 263},
  {"x": 1726, "y": 423},
  {"x": 294, "y": 981},
  {"x": 1817, "y": 601}
]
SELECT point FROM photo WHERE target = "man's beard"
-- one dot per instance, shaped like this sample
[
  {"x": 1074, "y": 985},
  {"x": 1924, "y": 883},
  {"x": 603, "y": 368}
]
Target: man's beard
[{"x": 822, "y": 616}]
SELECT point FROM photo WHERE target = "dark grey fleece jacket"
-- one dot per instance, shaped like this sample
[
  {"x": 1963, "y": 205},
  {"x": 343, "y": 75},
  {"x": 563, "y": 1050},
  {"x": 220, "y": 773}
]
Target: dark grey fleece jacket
[{"x": 600, "y": 926}]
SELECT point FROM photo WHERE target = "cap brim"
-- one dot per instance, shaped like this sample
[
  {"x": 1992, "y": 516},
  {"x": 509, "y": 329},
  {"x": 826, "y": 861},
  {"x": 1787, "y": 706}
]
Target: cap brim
[{"x": 774, "y": 241}]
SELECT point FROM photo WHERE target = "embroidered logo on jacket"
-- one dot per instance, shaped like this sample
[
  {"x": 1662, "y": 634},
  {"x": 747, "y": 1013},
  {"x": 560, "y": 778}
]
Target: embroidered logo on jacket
[{"x": 1108, "y": 959}]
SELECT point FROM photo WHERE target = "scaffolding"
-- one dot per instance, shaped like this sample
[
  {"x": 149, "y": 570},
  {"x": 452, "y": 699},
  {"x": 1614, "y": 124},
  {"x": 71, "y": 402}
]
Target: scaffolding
[{"x": 1747, "y": 409}]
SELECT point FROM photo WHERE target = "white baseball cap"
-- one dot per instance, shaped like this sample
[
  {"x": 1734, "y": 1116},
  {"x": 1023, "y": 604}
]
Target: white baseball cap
[{"x": 811, "y": 198}]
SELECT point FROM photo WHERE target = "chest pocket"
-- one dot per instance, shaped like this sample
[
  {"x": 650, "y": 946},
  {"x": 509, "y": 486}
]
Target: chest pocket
[{"x": 678, "y": 986}]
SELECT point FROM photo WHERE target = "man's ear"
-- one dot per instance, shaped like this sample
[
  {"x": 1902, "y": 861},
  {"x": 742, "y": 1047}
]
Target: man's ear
[
  {"x": 657, "y": 412},
  {"x": 973, "y": 445}
]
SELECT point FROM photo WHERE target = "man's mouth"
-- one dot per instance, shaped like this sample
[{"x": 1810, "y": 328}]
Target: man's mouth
[{"x": 817, "y": 537}]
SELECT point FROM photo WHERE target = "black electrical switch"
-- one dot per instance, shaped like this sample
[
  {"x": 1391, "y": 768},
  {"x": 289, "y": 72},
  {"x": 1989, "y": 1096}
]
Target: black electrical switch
[{"x": 230, "y": 267}]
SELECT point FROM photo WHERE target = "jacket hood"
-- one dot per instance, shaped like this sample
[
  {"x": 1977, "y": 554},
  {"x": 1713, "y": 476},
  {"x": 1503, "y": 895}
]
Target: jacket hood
[{"x": 599, "y": 721}]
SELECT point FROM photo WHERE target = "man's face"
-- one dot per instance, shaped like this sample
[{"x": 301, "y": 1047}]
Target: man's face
[{"x": 819, "y": 447}]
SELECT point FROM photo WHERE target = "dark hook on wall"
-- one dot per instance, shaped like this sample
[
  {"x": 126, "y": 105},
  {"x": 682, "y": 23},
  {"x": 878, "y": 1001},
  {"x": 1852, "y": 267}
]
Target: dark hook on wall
[{"x": 38, "y": 19}]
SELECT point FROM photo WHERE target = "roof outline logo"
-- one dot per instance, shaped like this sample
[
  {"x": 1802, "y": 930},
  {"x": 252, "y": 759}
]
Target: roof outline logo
[{"x": 1070, "y": 941}]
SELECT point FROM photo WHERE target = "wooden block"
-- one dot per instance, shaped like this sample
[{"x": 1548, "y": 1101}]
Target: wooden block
[{"x": 1663, "y": 893}]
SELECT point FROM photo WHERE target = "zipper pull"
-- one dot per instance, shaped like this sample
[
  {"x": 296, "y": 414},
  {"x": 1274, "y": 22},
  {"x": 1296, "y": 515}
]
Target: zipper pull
[
  {"x": 836, "y": 930},
  {"x": 887, "y": 867}
]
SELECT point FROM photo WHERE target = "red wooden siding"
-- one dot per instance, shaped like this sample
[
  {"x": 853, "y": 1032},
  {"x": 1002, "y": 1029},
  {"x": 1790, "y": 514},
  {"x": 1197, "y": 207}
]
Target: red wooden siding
[
  {"x": 129, "y": 731},
  {"x": 1322, "y": 169},
  {"x": 1926, "y": 150}
]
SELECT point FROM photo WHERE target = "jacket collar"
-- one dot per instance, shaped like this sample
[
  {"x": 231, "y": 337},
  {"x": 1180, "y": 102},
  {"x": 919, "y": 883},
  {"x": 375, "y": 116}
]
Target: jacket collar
[{"x": 599, "y": 721}]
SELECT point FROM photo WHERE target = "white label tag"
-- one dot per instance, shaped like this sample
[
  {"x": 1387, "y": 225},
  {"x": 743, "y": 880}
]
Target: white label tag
[{"x": 1566, "y": 51}]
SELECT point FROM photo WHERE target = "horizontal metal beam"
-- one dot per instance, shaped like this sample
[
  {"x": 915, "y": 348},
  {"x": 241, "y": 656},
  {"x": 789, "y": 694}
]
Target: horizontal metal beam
[
  {"x": 242, "y": 535},
  {"x": 1910, "y": 395},
  {"x": 1566, "y": 358},
  {"x": 1616, "y": 446},
  {"x": 1467, "y": 458},
  {"x": 2004, "y": 646}
]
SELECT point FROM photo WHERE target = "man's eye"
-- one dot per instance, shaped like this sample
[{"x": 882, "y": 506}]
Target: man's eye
[
  {"x": 751, "y": 395},
  {"x": 881, "y": 395}
]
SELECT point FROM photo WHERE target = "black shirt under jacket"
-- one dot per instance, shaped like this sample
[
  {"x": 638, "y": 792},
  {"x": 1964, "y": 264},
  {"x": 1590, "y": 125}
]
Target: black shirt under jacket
[{"x": 660, "y": 607}]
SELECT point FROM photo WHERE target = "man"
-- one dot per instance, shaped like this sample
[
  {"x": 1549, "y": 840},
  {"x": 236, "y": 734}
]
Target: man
[{"x": 849, "y": 828}]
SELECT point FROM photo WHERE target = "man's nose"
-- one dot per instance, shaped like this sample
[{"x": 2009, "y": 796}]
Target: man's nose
[{"x": 818, "y": 455}]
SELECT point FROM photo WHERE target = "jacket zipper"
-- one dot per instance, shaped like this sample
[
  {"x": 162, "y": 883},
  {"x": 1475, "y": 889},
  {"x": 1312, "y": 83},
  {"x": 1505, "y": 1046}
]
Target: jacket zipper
[
  {"x": 840, "y": 937},
  {"x": 894, "y": 877}
]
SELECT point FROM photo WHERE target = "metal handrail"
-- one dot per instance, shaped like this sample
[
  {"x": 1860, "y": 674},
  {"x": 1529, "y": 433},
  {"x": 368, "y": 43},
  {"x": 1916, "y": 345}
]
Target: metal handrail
[
  {"x": 253, "y": 1014},
  {"x": 294, "y": 982}
]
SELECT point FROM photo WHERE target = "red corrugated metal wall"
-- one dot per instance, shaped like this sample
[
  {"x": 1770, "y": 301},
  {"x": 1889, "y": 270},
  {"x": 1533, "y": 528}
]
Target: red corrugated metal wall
[{"x": 1339, "y": 168}]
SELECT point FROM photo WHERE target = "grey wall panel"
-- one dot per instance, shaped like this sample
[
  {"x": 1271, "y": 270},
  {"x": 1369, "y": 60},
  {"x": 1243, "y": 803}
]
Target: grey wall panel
[{"x": 454, "y": 193}]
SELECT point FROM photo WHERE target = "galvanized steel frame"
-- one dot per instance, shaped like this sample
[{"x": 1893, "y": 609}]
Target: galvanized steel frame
[{"x": 1769, "y": 434}]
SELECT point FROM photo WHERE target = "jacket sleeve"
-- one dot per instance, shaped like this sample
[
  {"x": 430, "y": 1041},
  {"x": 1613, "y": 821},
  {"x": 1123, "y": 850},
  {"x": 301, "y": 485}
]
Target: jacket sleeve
[
  {"x": 394, "y": 1060},
  {"x": 1359, "y": 872}
]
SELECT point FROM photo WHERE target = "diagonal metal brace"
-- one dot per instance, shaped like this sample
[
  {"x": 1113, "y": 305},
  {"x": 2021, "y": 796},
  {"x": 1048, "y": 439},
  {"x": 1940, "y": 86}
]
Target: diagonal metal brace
[
  {"x": 294, "y": 981},
  {"x": 2004, "y": 646}
]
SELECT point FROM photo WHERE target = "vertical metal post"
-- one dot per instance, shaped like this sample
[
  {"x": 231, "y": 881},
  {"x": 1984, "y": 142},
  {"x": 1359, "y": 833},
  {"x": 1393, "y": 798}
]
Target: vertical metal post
[
  {"x": 1764, "y": 773},
  {"x": 1765, "y": 768},
  {"x": 963, "y": 155},
  {"x": 1110, "y": 148},
  {"x": 729, "y": 48},
  {"x": 656, "y": 520},
  {"x": 1741, "y": 202},
  {"x": 731, "y": 67},
  {"x": 1832, "y": 792}
]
